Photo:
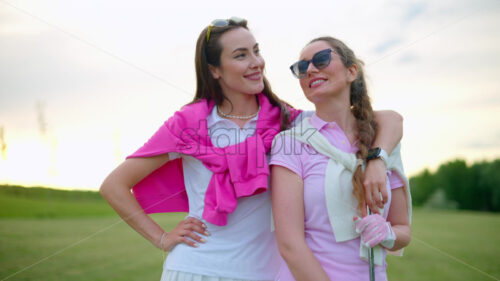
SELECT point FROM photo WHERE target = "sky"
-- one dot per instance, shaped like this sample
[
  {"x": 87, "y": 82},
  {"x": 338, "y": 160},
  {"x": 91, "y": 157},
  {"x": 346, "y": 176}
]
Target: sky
[{"x": 83, "y": 84}]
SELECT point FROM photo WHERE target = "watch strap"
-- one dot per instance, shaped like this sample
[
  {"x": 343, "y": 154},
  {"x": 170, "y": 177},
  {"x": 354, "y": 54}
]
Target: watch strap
[{"x": 378, "y": 152}]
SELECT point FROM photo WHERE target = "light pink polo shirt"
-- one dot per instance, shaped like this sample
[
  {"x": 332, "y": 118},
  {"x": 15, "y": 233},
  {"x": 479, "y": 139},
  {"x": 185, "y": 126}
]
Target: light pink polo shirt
[{"x": 341, "y": 261}]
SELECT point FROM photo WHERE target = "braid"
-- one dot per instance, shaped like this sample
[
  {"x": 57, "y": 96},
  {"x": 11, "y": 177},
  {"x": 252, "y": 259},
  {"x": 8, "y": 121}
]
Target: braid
[
  {"x": 361, "y": 109},
  {"x": 363, "y": 112}
]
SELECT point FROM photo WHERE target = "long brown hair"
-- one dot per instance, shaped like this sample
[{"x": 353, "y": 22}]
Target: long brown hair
[
  {"x": 361, "y": 108},
  {"x": 208, "y": 53}
]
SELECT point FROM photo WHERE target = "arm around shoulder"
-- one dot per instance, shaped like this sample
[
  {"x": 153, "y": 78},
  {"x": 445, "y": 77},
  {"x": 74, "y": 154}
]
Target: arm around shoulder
[{"x": 389, "y": 131}]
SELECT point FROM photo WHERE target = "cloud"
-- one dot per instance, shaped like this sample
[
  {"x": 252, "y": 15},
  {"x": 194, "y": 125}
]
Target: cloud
[
  {"x": 489, "y": 100},
  {"x": 414, "y": 11},
  {"x": 410, "y": 12},
  {"x": 387, "y": 44},
  {"x": 408, "y": 57},
  {"x": 479, "y": 101},
  {"x": 491, "y": 143},
  {"x": 47, "y": 69}
]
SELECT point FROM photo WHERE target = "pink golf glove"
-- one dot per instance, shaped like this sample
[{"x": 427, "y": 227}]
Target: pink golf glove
[{"x": 376, "y": 230}]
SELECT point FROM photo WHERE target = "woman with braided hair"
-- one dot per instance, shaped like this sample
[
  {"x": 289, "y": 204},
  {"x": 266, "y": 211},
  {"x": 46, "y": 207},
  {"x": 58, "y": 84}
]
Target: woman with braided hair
[{"x": 322, "y": 226}]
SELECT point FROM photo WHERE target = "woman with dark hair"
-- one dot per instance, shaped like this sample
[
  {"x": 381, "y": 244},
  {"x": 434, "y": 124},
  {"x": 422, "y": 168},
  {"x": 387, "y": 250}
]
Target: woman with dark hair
[
  {"x": 317, "y": 174},
  {"x": 209, "y": 159}
]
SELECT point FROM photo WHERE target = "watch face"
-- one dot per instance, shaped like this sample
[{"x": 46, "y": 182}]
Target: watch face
[{"x": 373, "y": 153}]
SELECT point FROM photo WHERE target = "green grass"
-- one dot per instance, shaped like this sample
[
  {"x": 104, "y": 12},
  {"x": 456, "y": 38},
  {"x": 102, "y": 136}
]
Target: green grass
[
  {"x": 101, "y": 248},
  {"x": 65, "y": 236},
  {"x": 450, "y": 245},
  {"x": 37, "y": 202}
]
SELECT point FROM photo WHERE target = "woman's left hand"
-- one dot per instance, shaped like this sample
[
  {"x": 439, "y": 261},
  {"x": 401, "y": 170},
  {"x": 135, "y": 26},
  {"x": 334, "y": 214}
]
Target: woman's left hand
[
  {"x": 375, "y": 184},
  {"x": 376, "y": 230}
]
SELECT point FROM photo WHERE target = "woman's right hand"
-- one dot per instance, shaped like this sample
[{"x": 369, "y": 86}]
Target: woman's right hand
[{"x": 184, "y": 230}]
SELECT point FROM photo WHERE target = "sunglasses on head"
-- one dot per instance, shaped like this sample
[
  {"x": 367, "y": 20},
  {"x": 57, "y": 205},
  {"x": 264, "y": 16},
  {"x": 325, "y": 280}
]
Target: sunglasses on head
[
  {"x": 222, "y": 22},
  {"x": 320, "y": 60}
]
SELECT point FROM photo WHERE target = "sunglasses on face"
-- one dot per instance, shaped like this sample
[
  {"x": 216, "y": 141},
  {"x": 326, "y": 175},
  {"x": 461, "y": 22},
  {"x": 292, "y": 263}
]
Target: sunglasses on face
[
  {"x": 320, "y": 60},
  {"x": 222, "y": 22}
]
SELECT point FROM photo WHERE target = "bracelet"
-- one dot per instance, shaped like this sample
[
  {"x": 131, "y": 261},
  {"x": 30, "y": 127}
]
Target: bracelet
[{"x": 161, "y": 240}]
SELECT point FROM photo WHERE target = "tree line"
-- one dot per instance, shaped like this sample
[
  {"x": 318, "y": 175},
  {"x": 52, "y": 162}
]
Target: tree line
[{"x": 458, "y": 185}]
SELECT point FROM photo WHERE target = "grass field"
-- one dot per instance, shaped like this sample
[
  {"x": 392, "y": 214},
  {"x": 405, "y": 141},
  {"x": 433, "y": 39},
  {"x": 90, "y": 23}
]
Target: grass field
[{"x": 65, "y": 237}]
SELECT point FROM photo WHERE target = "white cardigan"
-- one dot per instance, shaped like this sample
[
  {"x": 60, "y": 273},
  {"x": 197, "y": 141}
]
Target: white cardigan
[{"x": 340, "y": 201}]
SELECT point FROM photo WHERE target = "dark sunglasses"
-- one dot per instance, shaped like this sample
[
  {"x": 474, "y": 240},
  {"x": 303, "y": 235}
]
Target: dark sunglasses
[
  {"x": 320, "y": 60},
  {"x": 222, "y": 22}
]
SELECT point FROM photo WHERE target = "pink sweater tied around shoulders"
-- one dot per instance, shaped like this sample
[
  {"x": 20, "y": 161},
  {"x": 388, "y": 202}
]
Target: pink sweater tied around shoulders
[{"x": 238, "y": 170}]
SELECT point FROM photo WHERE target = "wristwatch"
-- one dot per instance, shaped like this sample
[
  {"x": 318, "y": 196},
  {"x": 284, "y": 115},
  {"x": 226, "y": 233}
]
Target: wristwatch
[{"x": 377, "y": 152}]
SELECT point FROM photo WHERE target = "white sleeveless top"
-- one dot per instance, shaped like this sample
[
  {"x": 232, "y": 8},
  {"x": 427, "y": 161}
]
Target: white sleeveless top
[{"x": 245, "y": 248}]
